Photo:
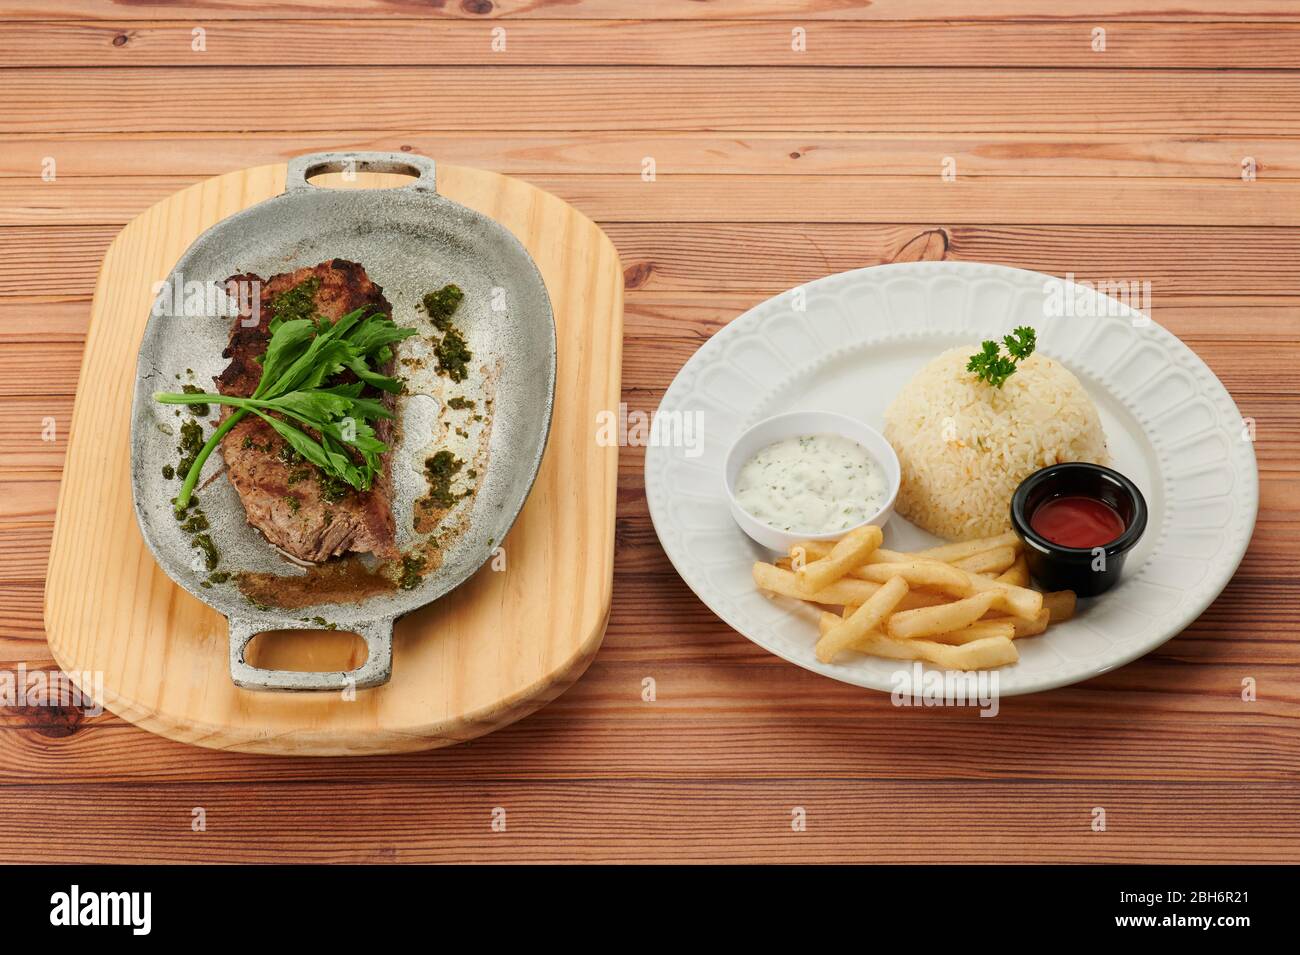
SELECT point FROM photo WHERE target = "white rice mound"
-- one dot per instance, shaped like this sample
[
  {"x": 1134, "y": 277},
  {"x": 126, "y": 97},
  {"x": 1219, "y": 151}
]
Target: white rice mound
[{"x": 965, "y": 445}]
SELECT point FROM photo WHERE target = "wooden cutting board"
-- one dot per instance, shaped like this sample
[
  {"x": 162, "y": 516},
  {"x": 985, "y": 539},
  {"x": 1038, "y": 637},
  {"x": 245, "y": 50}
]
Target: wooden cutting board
[{"x": 506, "y": 642}]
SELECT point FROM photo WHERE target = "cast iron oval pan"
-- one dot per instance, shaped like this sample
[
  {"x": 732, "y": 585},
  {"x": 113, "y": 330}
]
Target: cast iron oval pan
[{"x": 410, "y": 240}]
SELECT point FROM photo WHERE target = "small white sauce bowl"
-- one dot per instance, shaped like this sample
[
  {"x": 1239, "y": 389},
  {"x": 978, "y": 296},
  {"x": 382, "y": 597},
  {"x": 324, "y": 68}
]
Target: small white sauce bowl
[{"x": 796, "y": 424}]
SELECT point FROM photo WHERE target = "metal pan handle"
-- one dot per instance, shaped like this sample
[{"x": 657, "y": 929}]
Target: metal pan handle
[
  {"x": 378, "y": 668},
  {"x": 301, "y": 168}
]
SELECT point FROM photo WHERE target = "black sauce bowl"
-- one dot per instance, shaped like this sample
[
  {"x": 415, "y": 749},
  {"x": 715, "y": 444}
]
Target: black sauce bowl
[{"x": 1080, "y": 569}]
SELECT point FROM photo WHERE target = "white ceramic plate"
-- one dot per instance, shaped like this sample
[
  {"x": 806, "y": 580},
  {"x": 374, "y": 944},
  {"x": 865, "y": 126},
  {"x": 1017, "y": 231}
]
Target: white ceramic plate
[{"x": 859, "y": 336}]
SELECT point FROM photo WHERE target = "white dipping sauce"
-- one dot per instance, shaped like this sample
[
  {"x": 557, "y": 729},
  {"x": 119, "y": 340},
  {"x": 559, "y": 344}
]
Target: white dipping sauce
[{"x": 814, "y": 484}]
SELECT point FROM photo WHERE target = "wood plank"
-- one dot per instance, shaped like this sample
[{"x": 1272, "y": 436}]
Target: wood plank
[
  {"x": 34, "y": 432},
  {"x": 615, "y": 152},
  {"x": 44, "y": 319},
  {"x": 27, "y": 497},
  {"x": 1185, "y": 265},
  {"x": 24, "y": 550},
  {"x": 993, "y": 200},
  {"x": 22, "y": 614},
  {"x": 723, "y": 256},
  {"x": 697, "y": 198},
  {"x": 651, "y": 315},
  {"x": 683, "y": 98},
  {"x": 714, "y": 820},
  {"x": 988, "y": 10},
  {"x": 696, "y": 730},
  {"x": 29, "y": 652},
  {"x": 35, "y": 266},
  {"x": 39, "y": 369},
  {"x": 444, "y": 41},
  {"x": 1191, "y": 317}
]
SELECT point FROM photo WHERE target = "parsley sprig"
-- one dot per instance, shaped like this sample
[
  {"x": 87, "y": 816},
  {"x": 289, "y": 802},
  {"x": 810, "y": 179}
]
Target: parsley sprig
[
  {"x": 995, "y": 368},
  {"x": 301, "y": 359}
]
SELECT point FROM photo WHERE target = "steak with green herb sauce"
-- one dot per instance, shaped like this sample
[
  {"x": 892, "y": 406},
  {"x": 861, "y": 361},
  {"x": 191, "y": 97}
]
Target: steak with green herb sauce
[{"x": 300, "y": 509}]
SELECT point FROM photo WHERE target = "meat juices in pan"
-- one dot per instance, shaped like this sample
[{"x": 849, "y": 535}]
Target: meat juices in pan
[{"x": 284, "y": 497}]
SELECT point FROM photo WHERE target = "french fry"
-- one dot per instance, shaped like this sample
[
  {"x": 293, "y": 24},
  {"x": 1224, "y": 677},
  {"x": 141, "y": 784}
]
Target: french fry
[
  {"x": 963, "y": 549},
  {"x": 842, "y": 592},
  {"x": 882, "y": 555},
  {"x": 1032, "y": 628},
  {"x": 920, "y": 573},
  {"x": 827, "y": 622},
  {"x": 1017, "y": 574},
  {"x": 1061, "y": 604},
  {"x": 928, "y": 621},
  {"x": 816, "y": 550},
  {"x": 997, "y": 557},
  {"x": 993, "y": 561},
  {"x": 986, "y": 654},
  {"x": 917, "y": 599},
  {"x": 982, "y": 654},
  {"x": 809, "y": 551},
  {"x": 912, "y": 600},
  {"x": 958, "y": 606},
  {"x": 849, "y": 552},
  {"x": 1023, "y": 627},
  {"x": 865, "y": 618},
  {"x": 924, "y": 572},
  {"x": 1018, "y": 601},
  {"x": 979, "y": 630}
]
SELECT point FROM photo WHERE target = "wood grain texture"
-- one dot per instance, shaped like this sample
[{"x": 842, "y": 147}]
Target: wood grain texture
[
  {"x": 772, "y": 168},
  {"x": 464, "y": 42},
  {"x": 627, "y": 821},
  {"x": 497, "y": 648},
  {"x": 615, "y": 152},
  {"x": 1249, "y": 266},
  {"x": 874, "y": 10},
  {"x": 703, "y": 198},
  {"x": 218, "y": 99}
]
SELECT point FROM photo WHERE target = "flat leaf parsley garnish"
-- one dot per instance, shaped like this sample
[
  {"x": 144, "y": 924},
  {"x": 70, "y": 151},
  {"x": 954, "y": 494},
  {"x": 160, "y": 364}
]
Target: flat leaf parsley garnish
[
  {"x": 995, "y": 368},
  {"x": 302, "y": 358}
]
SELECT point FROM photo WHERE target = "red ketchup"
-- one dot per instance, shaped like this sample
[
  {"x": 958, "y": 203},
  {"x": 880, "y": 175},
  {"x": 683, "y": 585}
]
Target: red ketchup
[{"x": 1075, "y": 521}]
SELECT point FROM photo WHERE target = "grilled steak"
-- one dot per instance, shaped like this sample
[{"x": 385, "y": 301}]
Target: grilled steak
[{"x": 296, "y": 507}]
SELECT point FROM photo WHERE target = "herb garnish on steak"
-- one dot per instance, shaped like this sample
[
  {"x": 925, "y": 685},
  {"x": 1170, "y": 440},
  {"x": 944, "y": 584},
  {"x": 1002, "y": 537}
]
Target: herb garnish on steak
[{"x": 307, "y": 412}]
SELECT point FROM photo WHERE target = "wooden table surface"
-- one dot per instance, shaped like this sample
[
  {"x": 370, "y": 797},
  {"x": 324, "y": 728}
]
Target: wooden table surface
[{"x": 773, "y": 166}]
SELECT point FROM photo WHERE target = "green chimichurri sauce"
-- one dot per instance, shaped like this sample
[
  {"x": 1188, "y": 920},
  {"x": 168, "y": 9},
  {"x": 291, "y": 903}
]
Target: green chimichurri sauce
[
  {"x": 190, "y": 446},
  {"x": 332, "y": 489},
  {"x": 451, "y": 351},
  {"x": 441, "y": 469},
  {"x": 453, "y": 355},
  {"x": 442, "y": 304},
  {"x": 412, "y": 571},
  {"x": 297, "y": 302},
  {"x": 202, "y": 410},
  {"x": 196, "y": 522},
  {"x": 210, "y": 556}
]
